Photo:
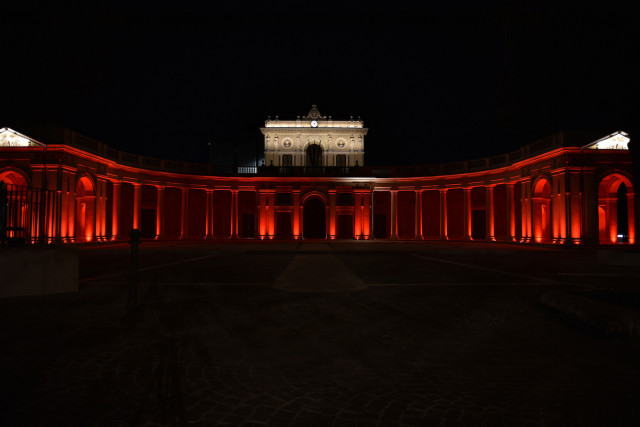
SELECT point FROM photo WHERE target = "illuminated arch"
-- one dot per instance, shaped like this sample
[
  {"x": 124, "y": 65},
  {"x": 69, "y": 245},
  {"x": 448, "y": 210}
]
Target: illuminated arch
[
  {"x": 85, "y": 208},
  {"x": 14, "y": 176},
  {"x": 609, "y": 212},
  {"x": 541, "y": 210},
  {"x": 315, "y": 193}
]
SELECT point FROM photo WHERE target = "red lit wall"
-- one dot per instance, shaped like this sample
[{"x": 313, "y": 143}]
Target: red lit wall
[
  {"x": 222, "y": 213},
  {"x": 406, "y": 214},
  {"x": 431, "y": 214},
  {"x": 500, "y": 212},
  {"x": 455, "y": 216},
  {"x": 172, "y": 203},
  {"x": 197, "y": 213},
  {"x": 126, "y": 208}
]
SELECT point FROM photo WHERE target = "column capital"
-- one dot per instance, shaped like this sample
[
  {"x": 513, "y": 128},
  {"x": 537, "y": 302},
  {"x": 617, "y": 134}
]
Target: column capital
[
  {"x": 137, "y": 184},
  {"x": 160, "y": 187},
  {"x": 442, "y": 190}
]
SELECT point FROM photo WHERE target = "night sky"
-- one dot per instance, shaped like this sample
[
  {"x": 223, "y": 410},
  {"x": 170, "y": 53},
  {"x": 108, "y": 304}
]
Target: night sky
[{"x": 434, "y": 85}]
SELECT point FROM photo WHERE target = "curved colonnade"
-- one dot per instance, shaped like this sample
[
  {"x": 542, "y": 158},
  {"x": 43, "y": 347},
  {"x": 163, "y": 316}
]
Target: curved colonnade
[{"x": 559, "y": 194}]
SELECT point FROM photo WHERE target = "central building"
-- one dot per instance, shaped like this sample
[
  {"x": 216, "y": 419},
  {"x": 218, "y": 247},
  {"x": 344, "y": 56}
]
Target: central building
[{"x": 314, "y": 141}]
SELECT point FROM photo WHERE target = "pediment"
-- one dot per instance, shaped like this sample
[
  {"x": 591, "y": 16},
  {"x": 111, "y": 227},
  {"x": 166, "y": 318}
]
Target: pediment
[
  {"x": 11, "y": 138},
  {"x": 616, "y": 141}
]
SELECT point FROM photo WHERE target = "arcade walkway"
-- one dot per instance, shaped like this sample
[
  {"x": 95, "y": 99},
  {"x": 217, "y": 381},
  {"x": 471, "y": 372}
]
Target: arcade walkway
[{"x": 319, "y": 333}]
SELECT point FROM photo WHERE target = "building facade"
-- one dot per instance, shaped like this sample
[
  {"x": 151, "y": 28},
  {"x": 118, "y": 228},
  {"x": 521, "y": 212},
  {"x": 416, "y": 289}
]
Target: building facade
[{"x": 568, "y": 188}]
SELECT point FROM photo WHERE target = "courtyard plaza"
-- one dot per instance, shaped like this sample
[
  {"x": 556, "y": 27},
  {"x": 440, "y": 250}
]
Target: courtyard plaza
[{"x": 320, "y": 333}]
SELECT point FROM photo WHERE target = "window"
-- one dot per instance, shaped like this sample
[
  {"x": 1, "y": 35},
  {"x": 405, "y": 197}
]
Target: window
[
  {"x": 283, "y": 199},
  {"x": 345, "y": 199}
]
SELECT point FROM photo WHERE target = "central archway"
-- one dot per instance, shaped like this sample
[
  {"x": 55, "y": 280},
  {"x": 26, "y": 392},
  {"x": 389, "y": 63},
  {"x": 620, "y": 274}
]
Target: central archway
[{"x": 314, "y": 219}]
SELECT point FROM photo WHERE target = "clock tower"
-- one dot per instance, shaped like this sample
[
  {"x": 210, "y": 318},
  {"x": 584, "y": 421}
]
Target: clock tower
[{"x": 314, "y": 140}]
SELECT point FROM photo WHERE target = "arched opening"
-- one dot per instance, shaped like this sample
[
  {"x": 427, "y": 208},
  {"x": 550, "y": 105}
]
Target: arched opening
[
  {"x": 19, "y": 210},
  {"x": 542, "y": 211},
  {"x": 616, "y": 221},
  {"x": 314, "y": 155},
  {"x": 12, "y": 177},
  {"x": 85, "y": 210},
  {"x": 314, "y": 219}
]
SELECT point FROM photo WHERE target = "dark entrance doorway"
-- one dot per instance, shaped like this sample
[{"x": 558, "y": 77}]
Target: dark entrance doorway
[
  {"x": 345, "y": 227},
  {"x": 380, "y": 226},
  {"x": 478, "y": 224},
  {"x": 283, "y": 225},
  {"x": 148, "y": 224},
  {"x": 314, "y": 155},
  {"x": 248, "y": 226},
  {"x": 315, "y": 226}
]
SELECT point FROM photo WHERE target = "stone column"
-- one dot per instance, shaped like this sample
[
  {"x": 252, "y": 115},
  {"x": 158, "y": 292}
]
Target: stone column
[
  {"x": 71, "y": 206},
  {"x": 511, "y": 212},
  {"x": 467, "y": 213},
  {"x": 612, "y": 219},
  {"x": 418, "y": 219},
  {"x": 209, "y": 213},
  {"x": 366, "y": 215},
  {"x": 443, "y": 214},
  {"x": 631, "y": 210},
  {"x": 160, "y": 212},
  {"x": 103, "y": 209},
  {"x": 184, "y": 214},
  {"x": 263, "y": 214},
  {"x": 357, "y": 215},
  {"x": 296, "y": 215},
  {"x": 234, "y": 213},
  {"x": 115, "y": 208},
  {"x": 490, "y": 214},
  {"x": 332, "y": 214},
  {"x": 591, "y": 216},
  {"x": 394, "y": 214},
  {"x": 526, "y": 211},
  {"x": 271, "y": 197},
  {"x": 137, "y": 205},
  {"x": 575, "y": 211}
]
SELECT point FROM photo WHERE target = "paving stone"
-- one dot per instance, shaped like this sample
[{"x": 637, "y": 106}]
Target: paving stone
[{"x": 382, "y": 354}]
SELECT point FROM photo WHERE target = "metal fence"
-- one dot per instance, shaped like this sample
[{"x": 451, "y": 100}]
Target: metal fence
[{"x": 28, "y": 215}]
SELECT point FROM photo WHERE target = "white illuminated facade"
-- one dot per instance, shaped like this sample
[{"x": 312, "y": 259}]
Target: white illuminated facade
[
  {"x": 11, "y": 138},
  {"x": 616, "y": 141},
  {"x": 314, "y": 140}
]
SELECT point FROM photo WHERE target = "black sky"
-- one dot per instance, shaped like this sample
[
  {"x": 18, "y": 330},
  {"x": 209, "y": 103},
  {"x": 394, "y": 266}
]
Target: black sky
[{"x": 438, "y": 84}]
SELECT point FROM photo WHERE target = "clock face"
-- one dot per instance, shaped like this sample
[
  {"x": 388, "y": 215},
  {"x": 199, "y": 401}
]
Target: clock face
[{"x": 314, "y": 123}]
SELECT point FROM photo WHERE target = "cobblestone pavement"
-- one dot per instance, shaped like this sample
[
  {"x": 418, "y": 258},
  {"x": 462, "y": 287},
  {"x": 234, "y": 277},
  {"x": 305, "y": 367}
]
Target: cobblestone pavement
[{"x": 429, "y": 335}]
